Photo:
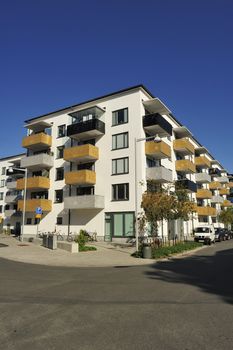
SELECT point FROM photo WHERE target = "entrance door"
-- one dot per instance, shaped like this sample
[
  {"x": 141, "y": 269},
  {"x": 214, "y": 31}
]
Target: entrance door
[{"x": 108, "y": 228}]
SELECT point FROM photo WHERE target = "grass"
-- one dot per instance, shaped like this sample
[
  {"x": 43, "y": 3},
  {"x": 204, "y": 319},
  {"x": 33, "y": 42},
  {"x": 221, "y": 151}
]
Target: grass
[
  {"x": 86, "y": 248},
  {"x": 166, "y": 251}
]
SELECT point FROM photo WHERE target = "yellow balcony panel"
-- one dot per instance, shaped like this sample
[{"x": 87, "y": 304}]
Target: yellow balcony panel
[
  {"x": 230, "y": 185},
  {"x": 183, "y": 146},
  {"x": 202, "y": 162},
  {"x": 203, "y": 194},
  {"x": 214, "y": 185},
  {"x": 36, "y": 182},
  {"x": 37, "y": 141},
  {"x": 32, "y": 204},
  {"x": 157, "y": 150},
  {"x": 206, "y": 211},
  {"x": 83, "y": 153},
  {"x": 226, "y": 203},
  {"x": 185, "y": 166},
  {"x": 223, "y": 191},
  {"x": 80, "y": 177}
]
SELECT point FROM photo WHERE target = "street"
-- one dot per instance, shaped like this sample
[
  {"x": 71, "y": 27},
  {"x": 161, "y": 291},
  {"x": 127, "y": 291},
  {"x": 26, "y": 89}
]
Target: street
[{"x": 184, "y": 303}]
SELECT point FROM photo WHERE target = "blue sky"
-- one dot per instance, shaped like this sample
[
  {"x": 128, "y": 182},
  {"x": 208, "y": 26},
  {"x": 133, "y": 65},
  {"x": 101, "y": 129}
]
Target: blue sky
[{"x": 56, "y": 53}]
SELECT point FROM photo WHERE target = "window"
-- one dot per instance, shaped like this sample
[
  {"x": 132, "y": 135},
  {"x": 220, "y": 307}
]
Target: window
[
  {"x": 120, "y": 166},
  {"x": 29, "y": 221},
  {"x": 82, "y": 191},
  {"x": 58, "y": 196},
  {"x": 120, "y": 141},
  {"x": 1, "y": 196},
  {"x": 4, "y": 171},
  {"x": 39, "y": 195},
  {"x": 36, "y": 221},
  {"x": 120, "y": 117},
  {"x": 61, "y": 131},
  {"x": 59, "y": 174},
  {"x": 120, "y": 224},
  {"x": 120, "y": 192},
  {"x": 0, "y": 208},
  {"x": 59, "y": 220},
  {"x": 2, "y": 183},
  {"x": 86, "y": 166},
  {"x": 60, "y": 151}
]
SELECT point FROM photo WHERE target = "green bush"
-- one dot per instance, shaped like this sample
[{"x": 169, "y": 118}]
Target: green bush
[
  {"x": 164, "y": 252},
  {"x": 82, "y": 238},
  {"x": 86, "y": 248}
]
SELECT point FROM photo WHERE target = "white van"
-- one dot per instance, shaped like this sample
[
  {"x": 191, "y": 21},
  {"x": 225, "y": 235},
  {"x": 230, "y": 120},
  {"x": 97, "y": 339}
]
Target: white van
[{"x": 204, "y": 233}]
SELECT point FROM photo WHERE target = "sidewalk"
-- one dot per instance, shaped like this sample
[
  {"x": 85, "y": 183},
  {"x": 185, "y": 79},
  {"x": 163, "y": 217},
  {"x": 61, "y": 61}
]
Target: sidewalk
[{"x": 107, "y": 255}]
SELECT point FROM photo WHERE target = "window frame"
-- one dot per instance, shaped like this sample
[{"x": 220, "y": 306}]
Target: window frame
[
  {"x": 56, "y": 179},
  {"x": 121, "y": 133},
  {"x": 63, "y": 135},
  {"x": 126, "y": 192},
  {"x": 118, "y": 110},
  {"x": 55, "y": 199},
  {"x": 124, "y": 166}
]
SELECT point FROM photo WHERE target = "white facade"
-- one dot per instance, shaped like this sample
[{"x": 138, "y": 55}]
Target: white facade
[{"x": 92, "y": 198}]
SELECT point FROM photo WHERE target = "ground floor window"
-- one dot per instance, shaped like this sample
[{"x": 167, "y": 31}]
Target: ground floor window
[{"x": 119, "y": 224}]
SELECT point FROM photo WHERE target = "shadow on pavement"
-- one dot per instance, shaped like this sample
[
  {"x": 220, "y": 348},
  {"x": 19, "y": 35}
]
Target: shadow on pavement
[{"x": 211, "y": 273}]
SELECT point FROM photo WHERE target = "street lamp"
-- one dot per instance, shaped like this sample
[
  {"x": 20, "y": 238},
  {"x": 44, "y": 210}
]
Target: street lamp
[
  {"x": 25, "y": 171},
  {"x": 156, "y": 139}
]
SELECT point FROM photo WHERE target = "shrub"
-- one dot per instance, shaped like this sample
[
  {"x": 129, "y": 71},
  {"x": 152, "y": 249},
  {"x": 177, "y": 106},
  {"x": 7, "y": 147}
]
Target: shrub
[
  {"x": 81, "y": 238},
  {"x": 86, "y": 248}
]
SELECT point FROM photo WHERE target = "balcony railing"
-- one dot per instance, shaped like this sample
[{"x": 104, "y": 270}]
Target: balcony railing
[
  {"x": 84, "y": 202},
  {"x": 159, "y": 174},
  {"x": 82, "y": 153},
  {"x": 226, "y": 203},
  {"x": 37, "y": 162},
  {"x": 156, "y": 124},
  {"x": 223, "y": 191},
  {"x": 217, "y": 199},
  {"x": 37, "y": 141},
  {"x": 183, "y": 146},
  {"x": 186, "y": 184},
  {"x": 203, "y": 194},
  {"x": 36, "y": 182},
  {"x": 80, "y": 177},
  {"x": 32, "y": 204},
  {"x": 202, "y": 162},
  {"x": 85, "y": 130},
  {"x": 202, "y": 178},
  {"x": 157, "y": 150},
  {"x": 214, "y": 172},
  {"x": 223, "y": 179},
  {"x": 215, "y": 185},
  {"x": 185, "y": 166},
  {"x": 206, "y": 211}
]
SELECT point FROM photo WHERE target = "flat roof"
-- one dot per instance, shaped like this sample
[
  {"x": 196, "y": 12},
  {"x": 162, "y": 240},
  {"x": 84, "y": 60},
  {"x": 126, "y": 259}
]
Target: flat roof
[{"x": 14, "y": 156}]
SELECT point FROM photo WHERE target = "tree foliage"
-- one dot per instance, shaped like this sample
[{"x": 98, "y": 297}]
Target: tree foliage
[{"x": 226, "y": 216}]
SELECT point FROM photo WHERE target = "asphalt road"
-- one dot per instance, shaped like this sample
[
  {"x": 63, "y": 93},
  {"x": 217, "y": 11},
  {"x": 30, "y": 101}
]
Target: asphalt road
[{"x": 178, "y": 304}]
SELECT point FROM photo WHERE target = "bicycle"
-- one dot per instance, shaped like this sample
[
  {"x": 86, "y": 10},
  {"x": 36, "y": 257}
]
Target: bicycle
[{"x": 71, "y": 236}]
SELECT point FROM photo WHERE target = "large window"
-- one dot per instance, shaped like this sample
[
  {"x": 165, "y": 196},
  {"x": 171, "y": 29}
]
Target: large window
[
  {"x": 120, "y": 166},
  {"x": 120, "y": 117},
  {"x": 59, "y": 174},
  {"x": 120, "y": 192},
  {"x": 61, "y": 131},
  {"x": 120, "y": 141},
  {"x": 119, "y": 224}
]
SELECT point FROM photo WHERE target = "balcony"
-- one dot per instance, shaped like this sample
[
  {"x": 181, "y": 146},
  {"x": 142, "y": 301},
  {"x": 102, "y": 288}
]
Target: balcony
[
  {"x": 11, "y": 185},
  {"x": 32, "y": 204},
  {"x": 159, "y": 174},
  {"x": 202, "y": 178},
  {"x": 86, "y": 130},
  {"x": 186, "y": 184},
  {"x": 37, "y": 162},
  {"x": 35, "y": 183},
  {"x": 202, "y": 162},
  {"x": 185, "y": 166},
  {"x": 222, "y": 179},
  {"x": 84, "y": 202},
  {"x": 214, "y": 185},
  {"x": 9, "y": 212},
  {"x": 223, "y": 191},
  {"x": 157, "y": 150},
  {"x": 203, "y": 194},
  {"x": 215, "y": 172},
  {"x": 37, "y": 141},
  {"x": 12, "y": 197},
  {"x": 183, "y": 146},
  {"x": 84, "y": 153},
  {"x": 226, "y": 203},
  {"x": 80, "y": 177},
  {"x": 206, "y": 211},
  {"x": 217, "y": 199},
  {"x": 230, "y": 184},
  {"x": 156, "y": 124}
]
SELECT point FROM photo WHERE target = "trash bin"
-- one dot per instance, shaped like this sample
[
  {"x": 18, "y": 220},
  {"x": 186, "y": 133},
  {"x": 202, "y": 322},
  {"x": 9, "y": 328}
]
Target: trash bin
[
  {"x": 52, "y": 241},
  {"x": 146, "y": 252},
  {"x": 45, "y": 241}
]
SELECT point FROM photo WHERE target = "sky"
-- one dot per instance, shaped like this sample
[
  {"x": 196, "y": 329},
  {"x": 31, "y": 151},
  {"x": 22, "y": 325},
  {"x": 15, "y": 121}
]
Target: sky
[{"x": 55, "y": 53}]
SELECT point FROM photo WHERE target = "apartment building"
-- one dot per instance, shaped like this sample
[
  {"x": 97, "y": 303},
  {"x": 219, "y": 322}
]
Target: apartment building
[{"x": 88, "y": 165}]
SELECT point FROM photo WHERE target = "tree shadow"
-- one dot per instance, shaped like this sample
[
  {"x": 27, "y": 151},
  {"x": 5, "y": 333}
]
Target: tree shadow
[{"x": 211, "y": 273}]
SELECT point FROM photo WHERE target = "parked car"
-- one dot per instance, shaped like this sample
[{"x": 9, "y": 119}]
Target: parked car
[
  {"x": 219, "y": 234},
  {"x": 205, "y": 234},
  {"x": 227, "y": 233}
]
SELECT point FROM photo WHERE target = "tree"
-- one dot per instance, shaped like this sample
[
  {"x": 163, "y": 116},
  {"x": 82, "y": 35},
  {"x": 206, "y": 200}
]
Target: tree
[{"x": 226, "y": 216}]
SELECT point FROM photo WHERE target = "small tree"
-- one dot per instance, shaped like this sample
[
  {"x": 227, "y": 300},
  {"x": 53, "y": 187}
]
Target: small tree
[{"x": 226, "y": 216}]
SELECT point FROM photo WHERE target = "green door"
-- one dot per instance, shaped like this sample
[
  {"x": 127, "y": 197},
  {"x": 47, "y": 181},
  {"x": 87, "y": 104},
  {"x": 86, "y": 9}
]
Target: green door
[{"x": 108, "y": 228}]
